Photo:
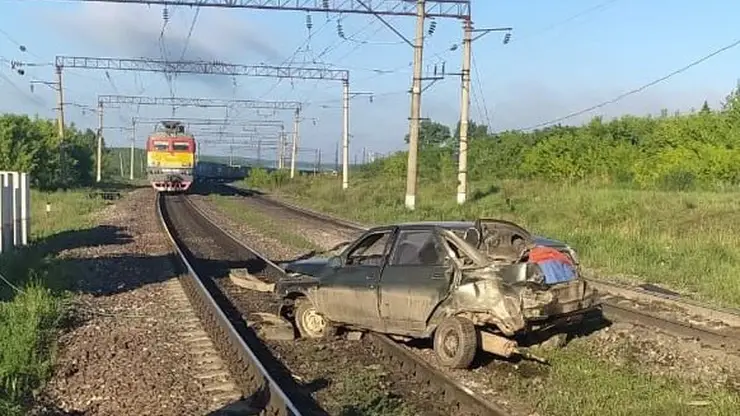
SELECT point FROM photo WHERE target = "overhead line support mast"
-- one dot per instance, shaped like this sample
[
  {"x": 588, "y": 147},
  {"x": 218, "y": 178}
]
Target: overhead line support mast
[
  {"x": 457, "y": 9},
  {"x": 437, "y": 8},
  {"x": 218, "y": 68}
]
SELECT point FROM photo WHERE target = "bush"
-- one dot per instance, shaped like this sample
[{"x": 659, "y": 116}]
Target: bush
[
  {"x": 258, "y": 178},
  {"x": 681, "y": 152},
  {"x": 33, "y": 146}
]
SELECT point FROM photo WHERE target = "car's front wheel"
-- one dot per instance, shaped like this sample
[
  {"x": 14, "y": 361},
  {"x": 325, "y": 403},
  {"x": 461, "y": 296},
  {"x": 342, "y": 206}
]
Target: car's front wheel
[
  {"x": 310, "y": 322},
  {"x": 456, "y": 342}
]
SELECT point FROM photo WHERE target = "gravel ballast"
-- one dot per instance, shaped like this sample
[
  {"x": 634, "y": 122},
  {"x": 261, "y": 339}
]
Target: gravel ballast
[{"x": 123, "y": 353}]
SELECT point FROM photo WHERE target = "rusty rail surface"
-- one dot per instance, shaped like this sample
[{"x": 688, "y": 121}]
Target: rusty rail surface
[
  {"x": 393, "y": 354},
  {"x": 264, "y": 391},
  {"x": 727, "y": 340}
]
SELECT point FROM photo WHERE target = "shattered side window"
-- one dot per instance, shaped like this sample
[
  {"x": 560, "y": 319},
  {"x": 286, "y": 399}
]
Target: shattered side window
[
  {"x": 372, "y": 248},
  {"x": 417, "y": 248}
]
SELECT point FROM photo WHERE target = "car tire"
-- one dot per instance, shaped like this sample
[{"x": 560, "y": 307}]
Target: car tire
[
  {"x": 456, "y": 342},
  {"x": 311, "y": 323}
]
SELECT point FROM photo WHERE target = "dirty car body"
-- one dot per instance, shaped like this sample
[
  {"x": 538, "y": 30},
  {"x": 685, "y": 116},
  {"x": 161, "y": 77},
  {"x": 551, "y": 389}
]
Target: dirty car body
[{"x": 406, "y": 279}]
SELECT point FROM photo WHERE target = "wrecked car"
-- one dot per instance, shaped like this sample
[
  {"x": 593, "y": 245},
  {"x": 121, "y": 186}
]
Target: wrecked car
[{"x": 467, "y": 285}]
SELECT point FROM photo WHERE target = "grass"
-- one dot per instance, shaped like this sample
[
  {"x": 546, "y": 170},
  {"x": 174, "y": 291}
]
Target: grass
[
  {"x": 234, "y": 208},
  {"x": 365, "y": 392},
  {"x": 577, "y": 382},
  {"x": 29, "y": 318},
  {"x": 689, "y": 241}
]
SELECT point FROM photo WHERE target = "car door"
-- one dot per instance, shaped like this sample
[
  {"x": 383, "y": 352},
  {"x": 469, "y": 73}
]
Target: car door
[
  {"x": 350, "y": 294},
  {"x": 414, "y": 281}
]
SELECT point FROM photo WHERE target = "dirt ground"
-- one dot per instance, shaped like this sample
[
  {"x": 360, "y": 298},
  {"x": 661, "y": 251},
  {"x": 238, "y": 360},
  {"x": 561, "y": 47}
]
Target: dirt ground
[{"x": 121, "y": 353}]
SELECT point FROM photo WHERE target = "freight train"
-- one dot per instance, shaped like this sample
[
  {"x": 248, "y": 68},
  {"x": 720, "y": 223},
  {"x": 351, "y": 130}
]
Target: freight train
[
  {"x": 170, "y": 157},
  {"x": 219, "y": 172}
]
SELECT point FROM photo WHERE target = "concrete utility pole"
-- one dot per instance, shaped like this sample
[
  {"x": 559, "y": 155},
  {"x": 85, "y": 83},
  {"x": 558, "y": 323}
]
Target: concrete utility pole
[
  {"x": 231, "y": 151},
  {"x": 415, "y": 107},
  {"x": 259, "y": 152},
  {"x": 318, "y": 161},
  {"x": 60, "y": 124},
  {"x": 294, "y": 150},
  {"x": 60, "y": 99},
  {"x": 99, "y": 173},
  {"x": 133, "y": 148},
  {"x": 281, "y": 147},
  {"x": 462, "y": 167},
  {"x": 345, "y": 135}
]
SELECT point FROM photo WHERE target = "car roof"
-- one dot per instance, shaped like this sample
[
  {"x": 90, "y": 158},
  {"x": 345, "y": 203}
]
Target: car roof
[{"x": 429, "y": 225}]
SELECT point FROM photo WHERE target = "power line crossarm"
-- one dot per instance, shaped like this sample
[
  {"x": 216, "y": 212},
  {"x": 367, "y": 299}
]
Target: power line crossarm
[
  {"x": 198, "y": 102},
  {"x": 435, "y": 8},
  {"x": 201, "y": 67}
]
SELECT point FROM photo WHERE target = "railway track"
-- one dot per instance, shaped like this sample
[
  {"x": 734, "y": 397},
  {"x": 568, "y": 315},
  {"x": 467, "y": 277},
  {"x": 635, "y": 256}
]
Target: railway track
[
  {"x": 254, "y": 355},
  {"x": 267, "y": 387},
  {"x": 716, "y": 327}
]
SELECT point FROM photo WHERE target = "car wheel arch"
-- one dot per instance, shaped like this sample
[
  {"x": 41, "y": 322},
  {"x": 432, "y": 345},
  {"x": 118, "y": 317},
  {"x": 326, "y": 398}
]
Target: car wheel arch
[
  {"x": 289, "y": 299},
  {"x": 442, "y": 313}
]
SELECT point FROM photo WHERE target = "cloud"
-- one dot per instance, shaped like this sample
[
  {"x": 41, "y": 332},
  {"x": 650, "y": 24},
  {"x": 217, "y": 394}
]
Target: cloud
[{"x": 116, "y": 30}]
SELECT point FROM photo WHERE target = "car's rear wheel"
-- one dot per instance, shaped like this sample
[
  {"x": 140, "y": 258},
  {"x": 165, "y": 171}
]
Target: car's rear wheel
[
  {"x": 310, "y": 322},
  {"x": 456, "y": 342}
]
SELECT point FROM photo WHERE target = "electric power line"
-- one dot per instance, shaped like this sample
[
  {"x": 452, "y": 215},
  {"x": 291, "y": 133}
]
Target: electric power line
[
  {"x": 568, "y": 19},
  {"x": 479, "y": 84},
  {"x": 291, "y": 58},
  {"x": 190, "y": 33},
  {"x": 639, "y": 89}
]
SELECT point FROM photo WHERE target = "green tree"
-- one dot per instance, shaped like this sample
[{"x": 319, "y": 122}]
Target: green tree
[
  {"x": 33, "y": 146},
  {"x": 432, "y": 134},
  {"x": 705, "y": 108}
]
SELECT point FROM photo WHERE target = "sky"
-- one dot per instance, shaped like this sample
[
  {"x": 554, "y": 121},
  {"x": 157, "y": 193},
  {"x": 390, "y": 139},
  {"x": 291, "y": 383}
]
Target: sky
[{"x": 563, "y": 57}]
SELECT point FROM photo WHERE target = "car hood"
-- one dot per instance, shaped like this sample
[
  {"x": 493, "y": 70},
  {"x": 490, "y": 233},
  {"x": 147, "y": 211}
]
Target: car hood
[
  {"x": 549, "y": 242},
  {"x": 310, "y": 267}
]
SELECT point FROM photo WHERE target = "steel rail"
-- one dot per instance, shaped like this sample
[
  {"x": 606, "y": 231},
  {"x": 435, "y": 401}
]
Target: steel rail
[
  {"x": 729, "y": 341},
  {"x": 278, "y": 402},
  {"x": 448, "y": 389}
]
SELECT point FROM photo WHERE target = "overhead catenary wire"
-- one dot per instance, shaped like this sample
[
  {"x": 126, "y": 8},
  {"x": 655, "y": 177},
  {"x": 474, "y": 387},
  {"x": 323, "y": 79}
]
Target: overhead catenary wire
[
  {"x": 594, "y": 8},
  {"x": 357, "y": 46},
  {"x": 291, "y": 58},
  {"x": 190, "y": 33},
  {"x": 481, "y": 91},
  {"x": 638, "y": 89}
]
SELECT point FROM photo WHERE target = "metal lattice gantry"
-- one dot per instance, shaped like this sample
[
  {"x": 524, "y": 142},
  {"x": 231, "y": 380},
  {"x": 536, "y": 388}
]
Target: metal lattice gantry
[
  {"x": 198, "y": 102},
  {"x": 222, "y": 68},
  {"x": 459, "y": 9},
  {"x": 201, "y": 67},
  {"x": 201, "y": 121},
  {"x": 421, "y": 9}
]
